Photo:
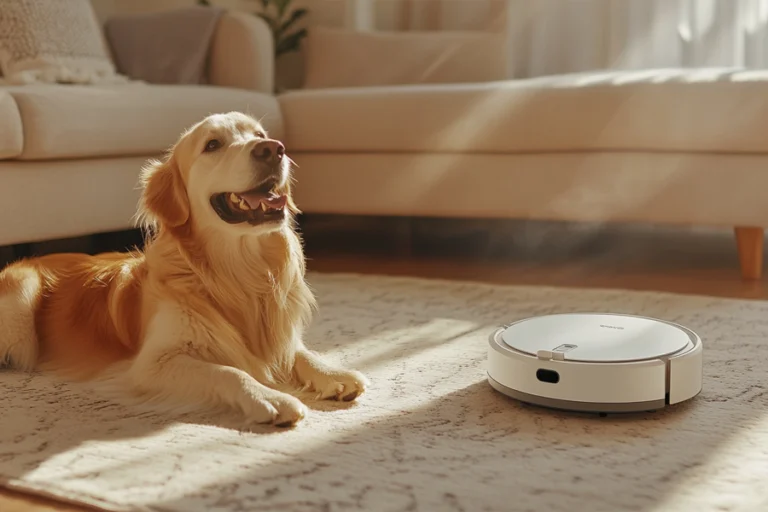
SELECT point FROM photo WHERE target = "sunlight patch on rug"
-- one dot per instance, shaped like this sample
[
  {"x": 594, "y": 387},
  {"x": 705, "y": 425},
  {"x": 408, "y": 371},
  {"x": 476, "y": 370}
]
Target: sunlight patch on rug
[{"x": 740, "y": 462}]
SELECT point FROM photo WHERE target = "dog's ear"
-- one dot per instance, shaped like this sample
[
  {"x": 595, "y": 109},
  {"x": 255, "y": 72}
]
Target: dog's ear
[{"x": 164, "y": 199}]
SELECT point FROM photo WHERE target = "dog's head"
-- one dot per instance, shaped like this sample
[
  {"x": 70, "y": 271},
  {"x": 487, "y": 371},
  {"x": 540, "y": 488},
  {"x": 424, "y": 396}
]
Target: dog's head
[{"x": 224, "y": 173}]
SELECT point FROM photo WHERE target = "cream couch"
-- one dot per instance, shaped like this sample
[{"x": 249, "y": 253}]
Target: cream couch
[
  {"x": 662, "y": 146},
  {"x": 686, "y": 147}
]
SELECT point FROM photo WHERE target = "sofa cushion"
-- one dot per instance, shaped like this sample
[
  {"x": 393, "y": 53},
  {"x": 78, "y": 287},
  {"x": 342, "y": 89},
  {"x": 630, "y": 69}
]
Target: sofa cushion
[
  {"x": 342, "y": 58},
  {"x": 122, "y": 120},
  {"x": 655, "y": 110},
  {"x": 11, "y": 133}
]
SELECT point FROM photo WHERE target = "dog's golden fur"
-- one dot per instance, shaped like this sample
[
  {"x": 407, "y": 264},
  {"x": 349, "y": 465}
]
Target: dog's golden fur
[{"x": 208, "y": 314}]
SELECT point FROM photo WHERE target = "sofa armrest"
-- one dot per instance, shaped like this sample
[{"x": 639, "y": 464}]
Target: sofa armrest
[{"x": 243, "y": 53}]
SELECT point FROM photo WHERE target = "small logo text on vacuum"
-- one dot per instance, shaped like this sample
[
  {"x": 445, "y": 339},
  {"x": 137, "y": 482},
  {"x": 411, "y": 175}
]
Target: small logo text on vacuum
[{"x": 617, "y": 327}]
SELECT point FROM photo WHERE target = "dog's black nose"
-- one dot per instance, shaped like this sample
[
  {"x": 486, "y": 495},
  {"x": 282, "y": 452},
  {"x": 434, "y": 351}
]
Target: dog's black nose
[{"x": 268, "y": 151}]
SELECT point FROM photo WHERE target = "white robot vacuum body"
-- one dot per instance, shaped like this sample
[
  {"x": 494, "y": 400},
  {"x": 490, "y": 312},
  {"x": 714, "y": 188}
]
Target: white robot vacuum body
[{"x": 593, "y": 362}]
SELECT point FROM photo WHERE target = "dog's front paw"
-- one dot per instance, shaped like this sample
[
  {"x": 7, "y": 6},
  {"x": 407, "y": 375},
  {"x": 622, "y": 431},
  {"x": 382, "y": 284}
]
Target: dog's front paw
[
  {"x": 344, "y": 385},
  {"x": 279, "y": 409}
]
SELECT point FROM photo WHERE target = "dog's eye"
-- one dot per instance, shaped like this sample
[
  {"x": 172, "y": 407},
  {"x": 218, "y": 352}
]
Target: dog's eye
[
  {"x": 261, "y": 135},
  {"x": 212, "y": 145}
]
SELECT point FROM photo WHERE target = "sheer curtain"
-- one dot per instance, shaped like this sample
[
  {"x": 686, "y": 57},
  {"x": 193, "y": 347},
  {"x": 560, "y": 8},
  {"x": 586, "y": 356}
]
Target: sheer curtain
[{"x": 560, "y": 36}]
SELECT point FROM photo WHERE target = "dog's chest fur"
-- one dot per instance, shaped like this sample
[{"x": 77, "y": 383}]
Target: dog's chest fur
[
  {"x": 250, "y": 294},
  {"x": 268, "y": 318}
]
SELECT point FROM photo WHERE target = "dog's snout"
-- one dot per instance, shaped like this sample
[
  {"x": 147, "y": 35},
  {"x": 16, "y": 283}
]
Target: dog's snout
[{"x": 268, "y": 151}]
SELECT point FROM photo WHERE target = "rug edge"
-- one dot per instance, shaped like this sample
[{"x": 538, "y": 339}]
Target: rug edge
[{"x": 73, "y": 498}]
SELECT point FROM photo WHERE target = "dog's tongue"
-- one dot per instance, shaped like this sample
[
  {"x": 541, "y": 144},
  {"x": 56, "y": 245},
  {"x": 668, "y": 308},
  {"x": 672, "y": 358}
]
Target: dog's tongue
[{"x": 273, "y": 201}]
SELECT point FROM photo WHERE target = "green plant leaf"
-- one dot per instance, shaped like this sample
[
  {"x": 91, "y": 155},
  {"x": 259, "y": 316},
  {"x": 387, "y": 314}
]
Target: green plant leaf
[
  {"x": 291, "y": 42},
  {"x": 282, "y": 6},
  {"x": 295, "y": 16}
]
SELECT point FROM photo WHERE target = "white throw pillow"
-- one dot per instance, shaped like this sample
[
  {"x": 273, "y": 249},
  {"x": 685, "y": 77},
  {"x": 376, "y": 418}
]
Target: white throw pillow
[{"x": 53, "y": 41}]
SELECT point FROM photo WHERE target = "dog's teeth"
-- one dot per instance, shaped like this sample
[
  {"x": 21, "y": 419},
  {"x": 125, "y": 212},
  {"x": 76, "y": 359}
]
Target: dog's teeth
[
  {"x": 243, "y": 205},
  {"x": 234, "y": 198},
  {"x": 263, "y": 207}
]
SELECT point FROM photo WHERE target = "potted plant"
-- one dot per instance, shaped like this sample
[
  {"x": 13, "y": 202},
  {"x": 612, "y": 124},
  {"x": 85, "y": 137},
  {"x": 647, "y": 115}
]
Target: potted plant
[{"x": 281, "y": 19}]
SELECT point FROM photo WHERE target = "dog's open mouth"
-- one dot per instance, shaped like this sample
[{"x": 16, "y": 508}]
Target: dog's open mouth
[{"x": 255, "y": 206}]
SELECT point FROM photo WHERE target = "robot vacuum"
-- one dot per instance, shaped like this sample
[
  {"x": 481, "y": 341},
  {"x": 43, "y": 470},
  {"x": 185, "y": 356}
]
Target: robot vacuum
[{"x": 594, "y": 362}]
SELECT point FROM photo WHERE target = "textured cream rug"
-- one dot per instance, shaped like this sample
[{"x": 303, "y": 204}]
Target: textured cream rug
[{"x": 430, "y": 435}]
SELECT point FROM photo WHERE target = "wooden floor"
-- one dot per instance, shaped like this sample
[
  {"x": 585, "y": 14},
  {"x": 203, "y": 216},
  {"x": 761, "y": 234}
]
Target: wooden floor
[
  {"x": 682, "y": 260},
  {"x": 532, "y": 253}
]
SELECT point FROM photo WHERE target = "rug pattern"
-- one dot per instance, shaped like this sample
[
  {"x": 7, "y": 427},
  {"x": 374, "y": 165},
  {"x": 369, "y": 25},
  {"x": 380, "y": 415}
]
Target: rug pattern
[{"x": 430, "y": 434}]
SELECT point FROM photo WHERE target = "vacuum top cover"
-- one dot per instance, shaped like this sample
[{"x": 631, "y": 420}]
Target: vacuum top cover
[{"x": 601, "y": 338}]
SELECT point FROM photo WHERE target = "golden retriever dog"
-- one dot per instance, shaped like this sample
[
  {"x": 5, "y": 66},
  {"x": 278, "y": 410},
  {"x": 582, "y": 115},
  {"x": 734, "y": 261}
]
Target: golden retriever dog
[{"x": 210, "y": 314}]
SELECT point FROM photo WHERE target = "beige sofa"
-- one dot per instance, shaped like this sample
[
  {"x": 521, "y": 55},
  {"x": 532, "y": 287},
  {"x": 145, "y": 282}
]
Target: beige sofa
[
  {"x": 681, "y": 146},
  {"x": 661, "y": 146}
]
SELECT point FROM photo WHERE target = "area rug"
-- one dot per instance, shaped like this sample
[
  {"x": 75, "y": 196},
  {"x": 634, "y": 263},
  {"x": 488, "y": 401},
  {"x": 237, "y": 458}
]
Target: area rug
[{"x": 431, "y": 434}]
